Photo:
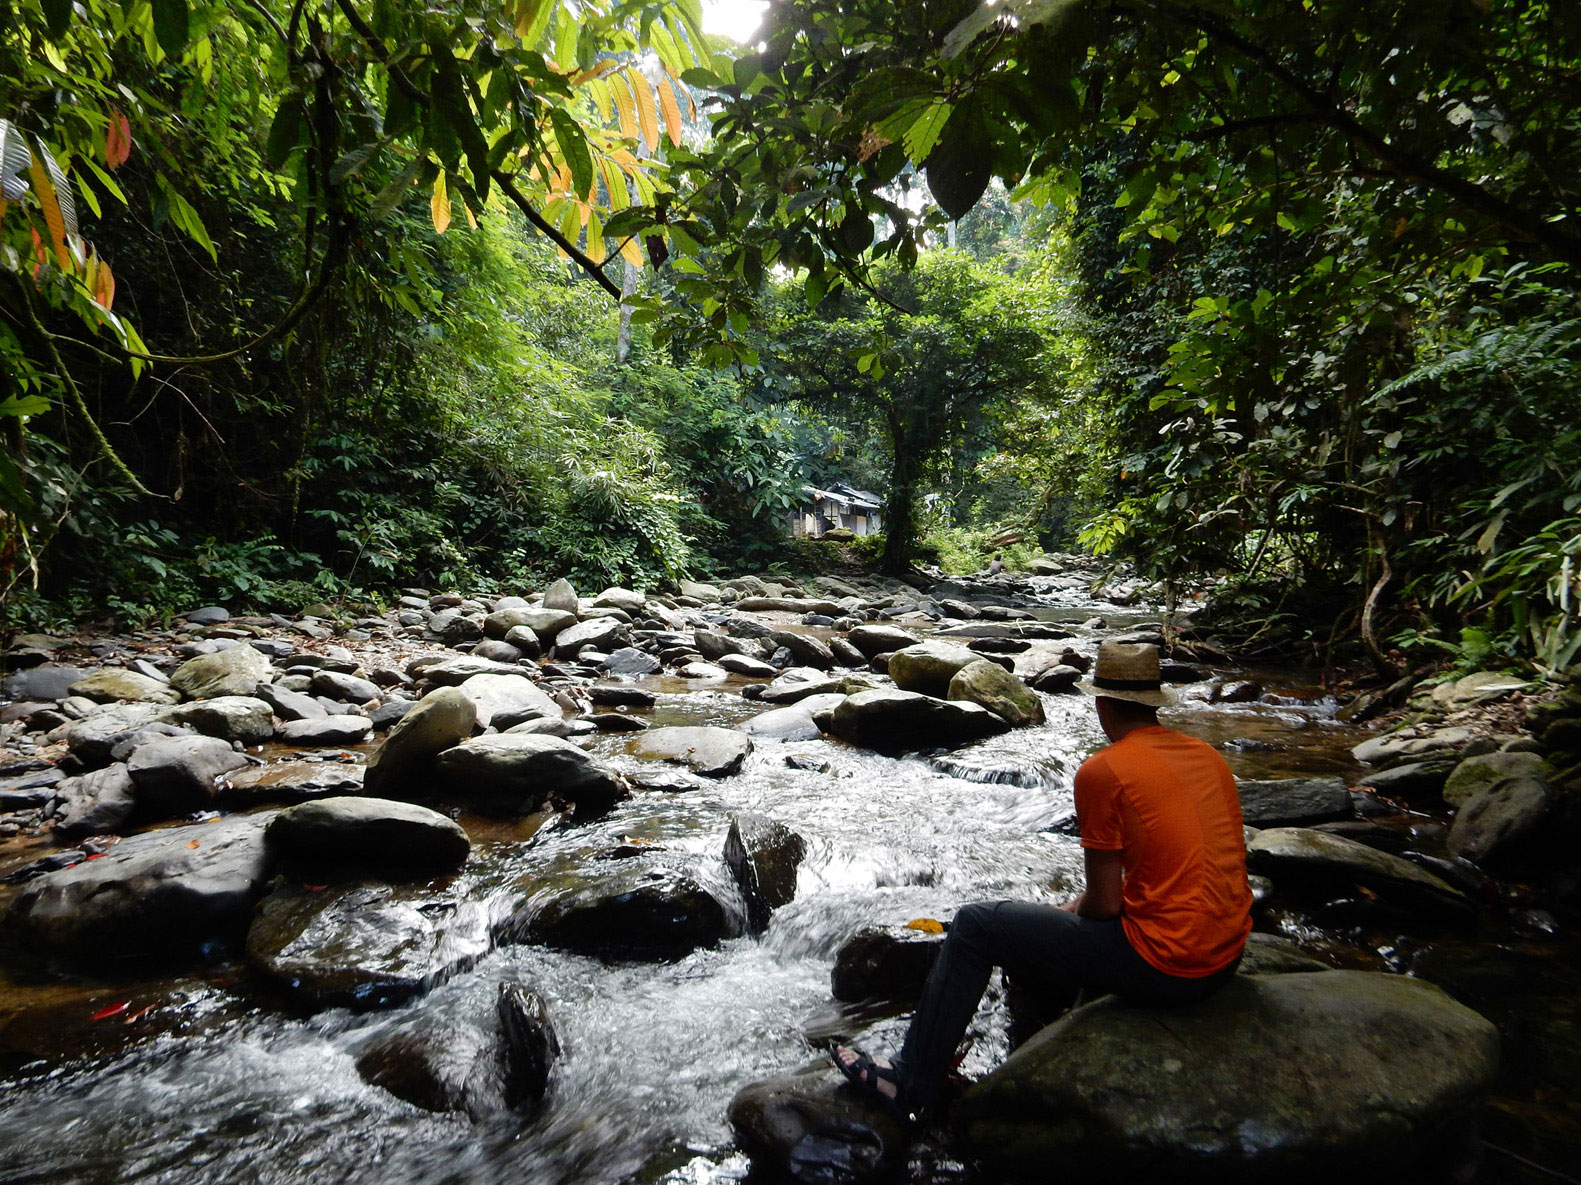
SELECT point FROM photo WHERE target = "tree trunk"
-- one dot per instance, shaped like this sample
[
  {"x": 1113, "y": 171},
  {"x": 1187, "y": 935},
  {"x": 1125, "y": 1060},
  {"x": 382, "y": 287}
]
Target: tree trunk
[
  {"x": 900, "y": 527},
  {"x": 628, "y": 288}
]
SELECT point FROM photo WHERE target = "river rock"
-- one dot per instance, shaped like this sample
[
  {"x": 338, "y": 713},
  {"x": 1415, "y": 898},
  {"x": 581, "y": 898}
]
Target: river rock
[
  {"x": 1397, "y": 749},
  {"x": 747, "y": 666},
  {"x": 516, "y": 697},
  {"x": 560, "y": 595},
  {"x": 621, "y": 598},
  {"x": 229, "y": 717},
  {"x": 1498, "y": 817},
  {"x": 209, "y": 615},
  {"x": 344, "y": 688},
  {"x": 1293, "y": 802},
  {"x": 986, "y": 683},
  {"x": 887, "y": 963},
  {"x": 236, "y": 671},
  {"x": 93, "y": 739},
  {"x": 41, "y": 683},
  {"x": 364, "y": 946},
  {"x": 290, "y": 705},
  {"x": 881, "y": 639},
  {"x": 899, "y": 721},
  {"x": 113, "y": 684},
  {"x": 634, "y": 909},
  {"x": 797, "y": 684},
  {"x": 793, "y": 723},
  {"x": 289, "y": 782},
  {"x": 787, "y": 605},
  {"x": 1479, "y": 773},
  {"x": 376, "y": 836},
  {"x": 1056, "y": 680},
  {"x": 498, "y": 624},
  {"x": 713, "y": 645},
  {"x": 806, "y": 651},
  {"x": 1304, "y": 1077},
  {"x": 330, "y": 732},
  {"x": 712, "y": 752},
  {"x": 1269, "y": 954},
  {"x": 628, "y": 660},
  {"x": 1328, "y": 862},
  {"x": 452, "y": 672},
  {"x": 814, "y": 1129},
  {"x": 97, "y": 803},
  {"x": 763, "y": 856},
  {"x": 1477, "y": 688},
  {"x": 597, "y": 633},
  {"x": 546, "y": 623},
  {"x": 179, "y": 775},
  {"x": 444, "y": 1063},
  {"x": 928, "y": 667},
  {"x": 403, "y": 765},
  {"x": 163, "y": 895},
  {"x": 516, "y": 773},
  {"x": 1414, "y": 777},
  {"x": 705, "y": 593}
]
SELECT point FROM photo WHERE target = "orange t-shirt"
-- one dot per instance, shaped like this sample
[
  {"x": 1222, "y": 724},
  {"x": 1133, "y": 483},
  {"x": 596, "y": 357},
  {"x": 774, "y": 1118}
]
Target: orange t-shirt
[{"x": 1168, "y": 804}]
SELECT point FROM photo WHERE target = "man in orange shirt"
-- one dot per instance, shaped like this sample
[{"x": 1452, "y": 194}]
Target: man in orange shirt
[{"x": 1163, "y": 918}]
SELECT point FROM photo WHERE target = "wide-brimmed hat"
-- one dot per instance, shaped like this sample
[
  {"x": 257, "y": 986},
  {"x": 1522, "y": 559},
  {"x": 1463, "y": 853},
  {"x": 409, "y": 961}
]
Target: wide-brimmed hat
[{"x": 1128, "y": 671}]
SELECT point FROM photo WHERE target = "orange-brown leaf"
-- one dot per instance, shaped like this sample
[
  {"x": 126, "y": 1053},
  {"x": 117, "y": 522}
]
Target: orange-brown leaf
[
  {"x": 104, "y": 287},
  {"x": 672, "y": 110},
  {"x": 647, "y": 109},
  {"x": 44, "y": 188},
  {"x": 439, "y": 205},
  {"x": 117, "y": 140},
  {"x": 625, "y": 107},
  {"x": 926, "y": 925}
]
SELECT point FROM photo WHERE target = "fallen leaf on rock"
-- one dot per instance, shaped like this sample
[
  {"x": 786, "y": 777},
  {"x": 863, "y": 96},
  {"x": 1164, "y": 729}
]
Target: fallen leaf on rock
[
  {"x": 315, "y": 888},
  {"x": 193, "y": 843},
  {"x": 926, "y": 925},
  {"x": 140, "y": 1013},
  {"x": 110, "y": 1010}
]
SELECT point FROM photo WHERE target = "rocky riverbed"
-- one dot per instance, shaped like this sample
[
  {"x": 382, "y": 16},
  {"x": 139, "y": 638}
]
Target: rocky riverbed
[{"x": 537, "y": 885}]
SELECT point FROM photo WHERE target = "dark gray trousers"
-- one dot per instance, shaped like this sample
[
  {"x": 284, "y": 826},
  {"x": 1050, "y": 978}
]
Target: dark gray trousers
[{"x": 1040, "y": 946}]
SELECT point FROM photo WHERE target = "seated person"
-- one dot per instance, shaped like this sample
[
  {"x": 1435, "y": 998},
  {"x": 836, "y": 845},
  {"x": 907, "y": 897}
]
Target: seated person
[{"x": 1165, "y": 912}]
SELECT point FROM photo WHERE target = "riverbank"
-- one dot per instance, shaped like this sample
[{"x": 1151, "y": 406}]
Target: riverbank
[{"x": 660, "y": 1020}]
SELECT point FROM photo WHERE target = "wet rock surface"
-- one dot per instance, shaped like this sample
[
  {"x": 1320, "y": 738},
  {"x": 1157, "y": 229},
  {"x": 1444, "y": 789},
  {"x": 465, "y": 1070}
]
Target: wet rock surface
[
  {"x": 711, "y": 752},
  {"x": 332, "y": 837},
  {"x": 363, "y": 946},
  {"x": 1300, "y": 1075}
]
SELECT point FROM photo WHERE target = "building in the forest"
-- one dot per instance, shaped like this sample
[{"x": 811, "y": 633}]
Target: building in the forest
[{"x": 839, "y": 507}]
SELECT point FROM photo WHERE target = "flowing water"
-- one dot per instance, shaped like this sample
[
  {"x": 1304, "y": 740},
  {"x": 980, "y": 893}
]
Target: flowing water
[{"x": 219, "y": 1083}]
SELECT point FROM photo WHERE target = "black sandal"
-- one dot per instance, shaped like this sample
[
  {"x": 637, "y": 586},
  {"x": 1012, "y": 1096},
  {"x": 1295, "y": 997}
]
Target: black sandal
[{"x": 865, "y": 1074}]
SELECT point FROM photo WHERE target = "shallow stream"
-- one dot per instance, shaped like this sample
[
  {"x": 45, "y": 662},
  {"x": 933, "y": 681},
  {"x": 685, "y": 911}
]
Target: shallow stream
[{"x": 219, "y": 1083}]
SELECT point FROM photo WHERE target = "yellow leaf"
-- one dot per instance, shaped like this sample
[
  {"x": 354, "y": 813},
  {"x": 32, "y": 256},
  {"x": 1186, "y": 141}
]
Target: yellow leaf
[
  {"x": 472, "y": 220},
  {"x": 926, "y": 925},
  {"x": 615, "y": 182},
  {"x": 625, "y": 107},
  {"x": 595, "y": 239},
  {"x": 598, "y": 91},
  {"x": 647, "y": 111},
  {"x": 439, "y": 205},
  {"x": 53, "y": 218},
  {"x": 631, "y": 252},
  {"x": 672, "y": 110}
]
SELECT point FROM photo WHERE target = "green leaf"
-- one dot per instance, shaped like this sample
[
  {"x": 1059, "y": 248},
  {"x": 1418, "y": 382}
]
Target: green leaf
[
  {"x": 172, "y": 25},
  {"x": 573, "y": 143},
  {"x": 960, "y": 167},
  {"x": 24, "y": 405},
  {"x": 921, "y": 136},
  {"x": 285, "y": 133}
]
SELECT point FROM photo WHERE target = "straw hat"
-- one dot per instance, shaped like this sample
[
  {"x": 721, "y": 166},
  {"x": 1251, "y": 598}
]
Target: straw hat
[{"x": 1126, "y": 671}]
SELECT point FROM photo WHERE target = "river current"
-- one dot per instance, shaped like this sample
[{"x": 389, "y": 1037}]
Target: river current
[{"x": 227, "y": 1086}]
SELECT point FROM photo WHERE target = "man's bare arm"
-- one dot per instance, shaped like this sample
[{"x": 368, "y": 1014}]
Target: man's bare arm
[{"x": 1101, "y": 899}]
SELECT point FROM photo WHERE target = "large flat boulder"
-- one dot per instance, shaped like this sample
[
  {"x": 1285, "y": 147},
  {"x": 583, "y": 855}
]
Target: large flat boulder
[
  {"x": 1476, "y": 774},
  {"x": 712, "y": 752},
  {"x": 516, "y": 773},
  {"x": 1303, "y": 1077},
  {"x": 180, "y": 774},
  {"x": 241, "y": 718},
  {"x": 812, "y": 1128},
  {"x": 928, "y": 667},
  {"x": 160, "y": 896},
  {"x": 97, "y": 803},
  {"x": 402, "y": 766},
  {"x": 989, "y": 684},
  {"x": 1303, "y": 857},
  {"x": 364, "y": 946},
  {"x": 114, "y": 683},
  {"x": 1293, "y": 802},
  {"x": 330, "y": 836},
  {"x": 512, "y": 697},
  {"x": 900, "y": 721},
  {"x": 881, "y": 639},
  {"x": 633, "y": 909},
  {"x": 234, "y": 671}
]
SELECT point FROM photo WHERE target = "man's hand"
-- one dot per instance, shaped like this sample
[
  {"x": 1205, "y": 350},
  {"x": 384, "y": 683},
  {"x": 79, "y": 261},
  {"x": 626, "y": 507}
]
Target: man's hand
[{"x": 1073, "y": 905}]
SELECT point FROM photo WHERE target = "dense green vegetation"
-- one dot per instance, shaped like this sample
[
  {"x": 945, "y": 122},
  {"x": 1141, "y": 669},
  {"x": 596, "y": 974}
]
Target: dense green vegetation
[{"x": 1276, "y": 295}]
